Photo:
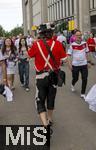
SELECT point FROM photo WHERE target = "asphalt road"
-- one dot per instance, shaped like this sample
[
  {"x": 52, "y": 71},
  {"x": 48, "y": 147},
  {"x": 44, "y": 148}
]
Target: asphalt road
[{"x": 74, "y": 124}]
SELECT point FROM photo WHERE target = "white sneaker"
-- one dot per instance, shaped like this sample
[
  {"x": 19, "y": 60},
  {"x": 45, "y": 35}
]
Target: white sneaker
[
  {"x": 72, "y": 88},
  {"x": 27, "y": 89},
  {"x": 83, "y": 96}
]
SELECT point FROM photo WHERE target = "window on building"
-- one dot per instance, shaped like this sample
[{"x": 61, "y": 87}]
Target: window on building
[
  {"x": 93, "y": 4},
  {"x": 68, "y": 7},
  {"x": 65, "y": 7},
  {"x": 55, "y": 11},
  {"x": 72, "y": 7},
  {"x": 58, "y": 9},
  {"x": 52, "y": 12},
  {"x": 62, "y": 8},
  {"x": 49, "y": 13}
]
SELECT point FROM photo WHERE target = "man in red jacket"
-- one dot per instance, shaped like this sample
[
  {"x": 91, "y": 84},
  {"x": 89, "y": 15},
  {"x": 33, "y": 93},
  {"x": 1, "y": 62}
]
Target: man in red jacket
[
  {"x": 91, "y": 45},
  {"x": 45, "y": 89}
]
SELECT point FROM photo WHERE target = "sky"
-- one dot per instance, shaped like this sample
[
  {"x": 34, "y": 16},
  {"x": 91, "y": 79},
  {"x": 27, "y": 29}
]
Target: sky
[{"x": 10, "y": 14}]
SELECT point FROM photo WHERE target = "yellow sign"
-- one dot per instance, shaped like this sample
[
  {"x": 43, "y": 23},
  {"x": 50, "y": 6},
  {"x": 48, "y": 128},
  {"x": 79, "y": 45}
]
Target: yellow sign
[
  {"x": 34, "y": 28},
  {"x": 71, "y": 25}
]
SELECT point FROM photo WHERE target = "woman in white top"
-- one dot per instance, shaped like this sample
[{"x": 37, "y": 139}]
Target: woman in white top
[
  {"x": 4, "y": 89},
  {"x": 9, "y": 52}
]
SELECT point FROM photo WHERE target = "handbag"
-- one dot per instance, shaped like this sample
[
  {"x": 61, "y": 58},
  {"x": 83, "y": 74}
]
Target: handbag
[{"x": 57, "y": 76}]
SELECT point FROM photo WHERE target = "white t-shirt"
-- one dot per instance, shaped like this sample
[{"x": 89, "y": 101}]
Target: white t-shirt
[
  {"x": 61, "y": 38},
  {"x": 17, "y": 43},
  {"x": 30, "y": 41},
  {"x": 1, "y": 56},
  {"x": 78, "y": 53}
]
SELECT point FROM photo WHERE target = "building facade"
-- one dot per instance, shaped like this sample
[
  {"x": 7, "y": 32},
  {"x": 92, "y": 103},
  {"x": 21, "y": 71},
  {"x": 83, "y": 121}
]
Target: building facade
[
  {"x": 34, "y": 13},
  {"x": 93, "y": 15},
  {"x": 74, "y": 13},
  {"x": 83, "y": 12},
  {"x": 39, "y": 11}
]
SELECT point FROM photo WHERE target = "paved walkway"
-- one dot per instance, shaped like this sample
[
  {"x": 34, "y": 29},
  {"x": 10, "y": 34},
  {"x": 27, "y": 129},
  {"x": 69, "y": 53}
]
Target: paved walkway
[{"x": 74, "y": 124}]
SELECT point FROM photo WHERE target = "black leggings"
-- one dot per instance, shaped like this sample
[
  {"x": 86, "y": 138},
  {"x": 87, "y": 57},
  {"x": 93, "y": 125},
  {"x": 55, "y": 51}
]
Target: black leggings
[{"x": 84, "y": 75}]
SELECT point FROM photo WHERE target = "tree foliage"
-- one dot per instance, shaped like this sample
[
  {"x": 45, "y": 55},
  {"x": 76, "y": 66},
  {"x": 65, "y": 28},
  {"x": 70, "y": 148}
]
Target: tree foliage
[
  {"x": 2, "y": 31},
  {"x": 14, "y": 32}
]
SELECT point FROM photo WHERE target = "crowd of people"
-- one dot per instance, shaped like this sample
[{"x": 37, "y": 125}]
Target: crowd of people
[{"x": 49, "y": 51}]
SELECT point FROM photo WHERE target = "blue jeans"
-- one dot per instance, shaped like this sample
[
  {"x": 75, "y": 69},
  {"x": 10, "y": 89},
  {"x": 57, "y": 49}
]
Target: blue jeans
[{"x": 23, "y": 67}]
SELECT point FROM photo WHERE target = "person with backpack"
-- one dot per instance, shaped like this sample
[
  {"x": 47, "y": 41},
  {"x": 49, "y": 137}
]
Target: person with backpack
[{"x": 46, "y": 81}]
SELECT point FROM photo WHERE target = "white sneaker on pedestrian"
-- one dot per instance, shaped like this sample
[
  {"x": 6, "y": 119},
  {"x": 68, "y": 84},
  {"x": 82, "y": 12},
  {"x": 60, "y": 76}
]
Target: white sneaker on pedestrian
[
  {"x": 27, "y": 89},
  {"x": 83, "y": 96},
  {"x": 72, "y": 88}
]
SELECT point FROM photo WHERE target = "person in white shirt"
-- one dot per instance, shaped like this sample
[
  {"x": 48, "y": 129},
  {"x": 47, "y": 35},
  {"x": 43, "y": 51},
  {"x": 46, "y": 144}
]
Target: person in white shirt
[
  {"x": 62, "y": 39},
  {"x": 4, "y": 89},
  {"x": 79, "y": 52},
  {"x": 29, "y": 41},
  {"x": 1, "y": 42},
  {"x": 9, "y": 51},
  {"x": 17, "y": 41}
]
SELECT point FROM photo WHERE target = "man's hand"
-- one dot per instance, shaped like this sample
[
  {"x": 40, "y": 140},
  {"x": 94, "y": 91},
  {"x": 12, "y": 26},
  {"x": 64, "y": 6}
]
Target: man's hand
[
  {"x": 5, "y": 82},
  {"x": 70, "y": 67},
  {"x": 89, "y": 65},
  {"x": 69, "y": 63}
]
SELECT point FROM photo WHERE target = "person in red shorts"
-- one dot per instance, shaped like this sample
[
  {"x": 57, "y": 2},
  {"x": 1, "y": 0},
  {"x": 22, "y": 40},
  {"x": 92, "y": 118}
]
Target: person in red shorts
[{"x": 45, "y": 89}]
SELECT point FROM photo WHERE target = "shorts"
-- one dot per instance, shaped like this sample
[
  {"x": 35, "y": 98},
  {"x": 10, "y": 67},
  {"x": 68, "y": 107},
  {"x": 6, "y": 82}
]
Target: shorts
[
  {"x": 45, "y": 94},
  {"x": 11, "y": 70}
]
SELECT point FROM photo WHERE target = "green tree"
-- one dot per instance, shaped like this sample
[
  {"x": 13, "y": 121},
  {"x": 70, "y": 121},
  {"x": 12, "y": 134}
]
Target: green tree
[
  {"x": 7, "y": 34},
  {"x": 16, "y": 31},
  {"x": 2, "y": 31}
]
